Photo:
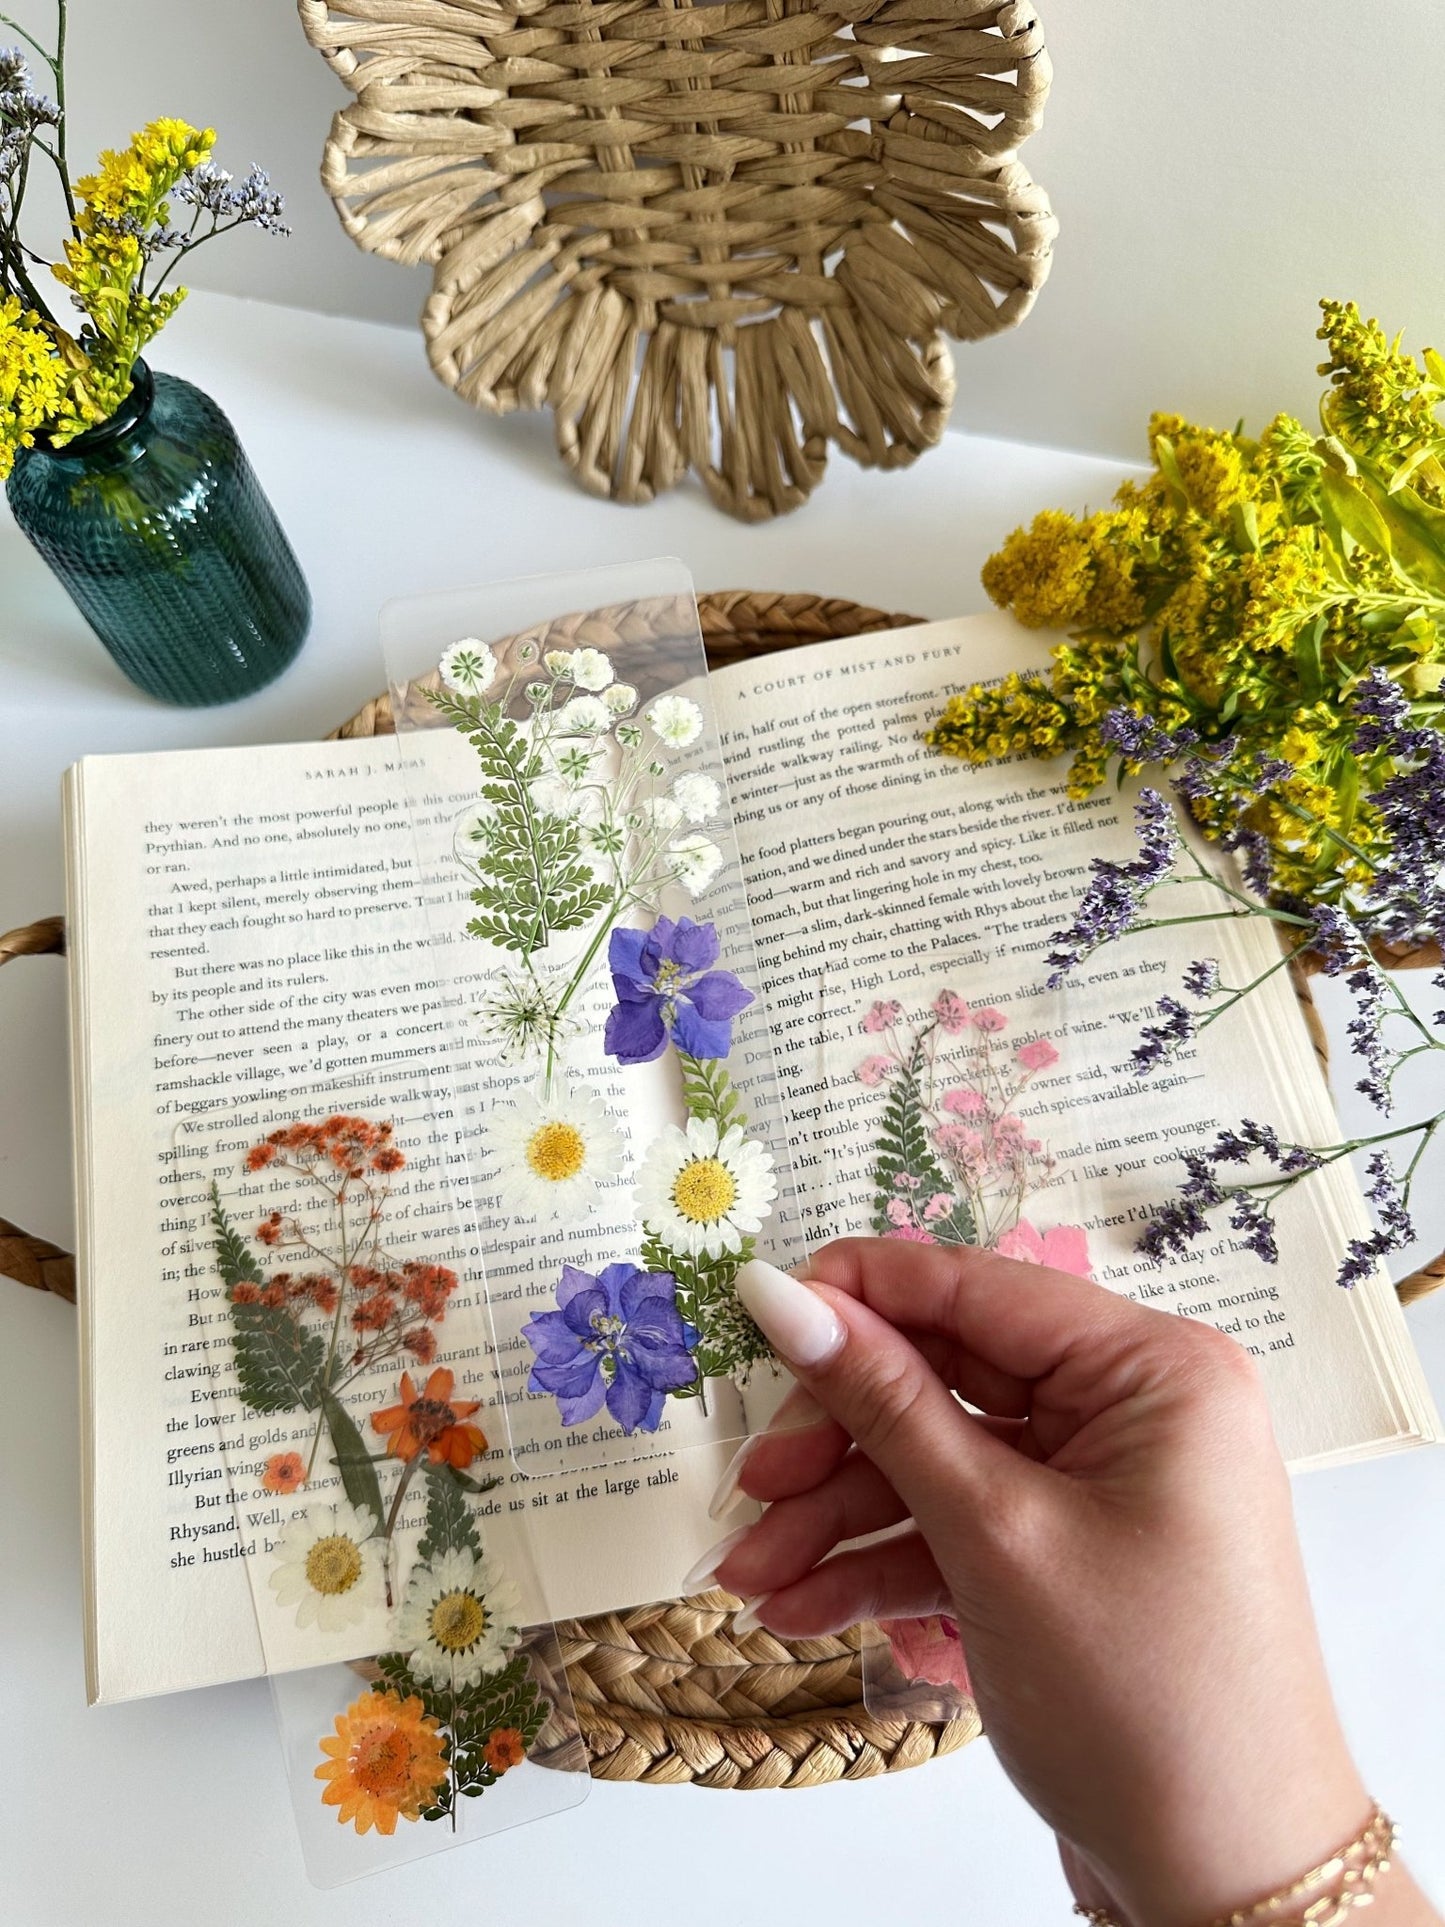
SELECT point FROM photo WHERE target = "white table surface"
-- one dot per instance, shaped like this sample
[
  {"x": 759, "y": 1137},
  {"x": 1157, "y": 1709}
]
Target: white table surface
[{"x": 175, "y": 1810}]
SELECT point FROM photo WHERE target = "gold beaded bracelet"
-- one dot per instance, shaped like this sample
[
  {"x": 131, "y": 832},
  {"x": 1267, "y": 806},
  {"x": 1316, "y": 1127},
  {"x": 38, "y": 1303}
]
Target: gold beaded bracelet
[{"x": 1349, "y": 1875}]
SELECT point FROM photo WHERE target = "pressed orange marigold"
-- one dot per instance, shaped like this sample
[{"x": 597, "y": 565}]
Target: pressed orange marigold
[
  {"x": 431, "y": 1421},
  {"x": 504, "y": 1749},
  {"x": 384, "y": 1761},
  {"x": 285, "y": 1472}
]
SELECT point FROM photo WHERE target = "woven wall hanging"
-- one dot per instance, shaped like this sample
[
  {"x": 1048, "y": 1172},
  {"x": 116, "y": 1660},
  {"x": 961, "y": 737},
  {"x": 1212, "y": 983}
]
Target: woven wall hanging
[{"x": 715, "y": 238}]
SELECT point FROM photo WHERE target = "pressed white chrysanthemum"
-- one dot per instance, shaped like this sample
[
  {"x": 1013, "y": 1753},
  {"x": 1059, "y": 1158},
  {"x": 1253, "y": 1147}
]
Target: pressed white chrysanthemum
[
  {"x": 696, "y": 861},
  {"x": 519, "y": 1011},
  {"x": 659, "y": 814},
  {"x": 591, "y": 669},
  {"x": 458, "y": 1620},
  {"x": 698, "y": 797},
  {"x": 468, "y": 667},
  {"x": 584, "y": 716},
  {"x": 555, "y": 1151},
  {"x": 328, "y": 1566},
  {"x": 675, "y": 720},
  {"x": 701, "y": 1193},
  {"x": 621, "y": 698}
]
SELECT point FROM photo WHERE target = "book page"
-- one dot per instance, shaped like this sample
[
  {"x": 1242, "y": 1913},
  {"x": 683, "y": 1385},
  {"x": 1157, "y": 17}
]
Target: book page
[
  {"x": 878, "y": 869},
  {"x": 246, "y": 927}
]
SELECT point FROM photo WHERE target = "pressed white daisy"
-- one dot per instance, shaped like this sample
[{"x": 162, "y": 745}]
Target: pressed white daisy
[
  {"x": 701, "y": 1193},
  {"x": 458, "y": 1620},
  {"x": 328, "y": 1566},
  {"x": 698, "y": 797},
  {"x": 554, "y": 1151},
  {"x": 696, "y": 861},
  {"x": 584, "y": 716},
  {"x": 621, "y": 698},
  {"x": 659, "y": 814},
  {"x": 468, "y": 667},
  {"x": 591, "y": 669},
  {"x": 675, "y": 720}
]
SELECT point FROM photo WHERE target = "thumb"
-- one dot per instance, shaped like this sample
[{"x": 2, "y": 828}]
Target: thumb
[{"x": 945, "y": 1466}]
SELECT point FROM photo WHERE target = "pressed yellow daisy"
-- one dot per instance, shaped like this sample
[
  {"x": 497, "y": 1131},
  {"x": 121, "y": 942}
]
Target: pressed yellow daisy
[
  {"x": 702, "y": 1192},
  {"x": 385, "y": 1761},
  {"x": 328, "y": 1566},
  {"x": 554, "y": 1152},
  {"x": 459, "y": 1619}
]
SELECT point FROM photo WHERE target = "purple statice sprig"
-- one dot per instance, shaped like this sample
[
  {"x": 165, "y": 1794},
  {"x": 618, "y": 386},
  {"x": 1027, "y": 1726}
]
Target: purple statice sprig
[
  {"x": 249, "y": 202},
  {"x": 1114, "y": 897},
  {"x": 1141, "y": 739},
  {"x": 1162, "y": 1041},
  {"x": 1406, "y": 895}
]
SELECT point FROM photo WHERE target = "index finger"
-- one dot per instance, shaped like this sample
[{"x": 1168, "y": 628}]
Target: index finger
[{"x": 1025, "y": 1321}]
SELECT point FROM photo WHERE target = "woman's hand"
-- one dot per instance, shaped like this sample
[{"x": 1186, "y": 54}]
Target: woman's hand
[{"x": 1114, "y": 1538}]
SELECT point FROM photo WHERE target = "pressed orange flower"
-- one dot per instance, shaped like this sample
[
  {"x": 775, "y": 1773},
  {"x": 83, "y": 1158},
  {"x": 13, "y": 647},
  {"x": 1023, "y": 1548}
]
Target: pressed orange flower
[
  {"x": 504, "y": 1749},
  {"x": 384, "y": 1761},
  {"x": 285, "y": 1472},
  {"x": 431, "y": 1421}
]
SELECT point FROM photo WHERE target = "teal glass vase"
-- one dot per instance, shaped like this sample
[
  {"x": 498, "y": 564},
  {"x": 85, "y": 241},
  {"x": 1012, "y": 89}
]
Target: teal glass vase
[{"x": 156, "y": 524}]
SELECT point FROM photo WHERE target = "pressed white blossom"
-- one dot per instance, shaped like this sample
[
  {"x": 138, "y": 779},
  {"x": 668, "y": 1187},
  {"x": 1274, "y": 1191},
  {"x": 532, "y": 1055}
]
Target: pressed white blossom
[
  {"x": 584, "y": 716},
  {"x": 698, "y": 797},
  {"x": 468, "y": 667},
  {"x": 621, "y": 698},
  {"x": 591, "y": 669},
  {"x": 696, "y": 861},
  {"x": 660, "y": 814},
  {"x": 675, "y": 720}
]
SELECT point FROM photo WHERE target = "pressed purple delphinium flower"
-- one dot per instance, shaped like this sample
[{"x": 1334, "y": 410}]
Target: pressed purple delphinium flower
[
  {"x": 617, "y": 1338},
  {"x": 665, "y": 986}
]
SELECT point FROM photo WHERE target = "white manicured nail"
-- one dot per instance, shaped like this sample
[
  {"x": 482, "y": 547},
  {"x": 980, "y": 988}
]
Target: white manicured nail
[
  {"x": 797, "y": 1412},
  {"x": 747, "y": 1620},
  {"x": 795, "y": 1319},
  {"x": 705, "y": 1571}
]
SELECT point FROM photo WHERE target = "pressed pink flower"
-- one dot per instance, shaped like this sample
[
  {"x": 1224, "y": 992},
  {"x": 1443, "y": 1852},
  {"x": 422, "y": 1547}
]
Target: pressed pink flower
[
  {"x": 873, "y": 1070},
  {"x": 881, "y": 1016},
  {"x": 1065, "y": 1247},
  {"x": 988, "y": 1019},
  {"x": 911, "y": 1234},
  {"x": 959, "y": 1142},
  {"x": 963, "y": 1101},
  {"x": 951, "y": 1011},
  {"x": 898, "y": 1212},
  {"x": 1038, "y": 1055},
  {"x": 929, "y": 1650},
  {"x": 1009, "y": 1125},
  {"x": 938, "y": 1206}
]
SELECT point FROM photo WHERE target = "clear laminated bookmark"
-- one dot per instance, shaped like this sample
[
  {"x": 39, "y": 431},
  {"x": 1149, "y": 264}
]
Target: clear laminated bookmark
[
  {"x": 953, "y": 1097},
  {"x": 618, "y": 1107},
  {"x": 348, "y": 1375}
]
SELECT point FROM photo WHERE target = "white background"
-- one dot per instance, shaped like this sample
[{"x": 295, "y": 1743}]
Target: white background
[
  {"x": 169, "y": 1812},
  {"x": 1216, "y": 168}
]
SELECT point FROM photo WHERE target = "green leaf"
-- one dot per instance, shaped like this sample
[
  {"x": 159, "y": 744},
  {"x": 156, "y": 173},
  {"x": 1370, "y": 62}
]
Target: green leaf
[
  {"x": 1355, "y": 513},
  {"x": 234, "y": 1258},
  {"x": 357, "y": 1469},
  {"x": 1169, "y": 468},
  {"x": 449, "y": 1524},
  {"x": 1244, "y": 526},
  {"x": 709, "y": 1093},
  {"x": 904, "y": 1151},
  {"x": 1308, "y": 659},
  {"x": 278, "y": 1362}
]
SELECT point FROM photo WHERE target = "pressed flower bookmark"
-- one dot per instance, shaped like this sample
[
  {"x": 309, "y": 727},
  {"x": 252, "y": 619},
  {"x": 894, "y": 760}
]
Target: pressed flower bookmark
[
  {"x": 621, "y": 1117},
  {"x": 351, "y": 1387}
]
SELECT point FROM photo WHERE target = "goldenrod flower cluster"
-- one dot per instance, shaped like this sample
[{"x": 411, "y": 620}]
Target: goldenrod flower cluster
[
  {"x": 32, "y": 380},
  {"x": 1241, "y": 592}
]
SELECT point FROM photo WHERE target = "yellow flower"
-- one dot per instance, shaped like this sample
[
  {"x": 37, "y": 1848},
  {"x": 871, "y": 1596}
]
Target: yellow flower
[{"x": 32, "y": 380}]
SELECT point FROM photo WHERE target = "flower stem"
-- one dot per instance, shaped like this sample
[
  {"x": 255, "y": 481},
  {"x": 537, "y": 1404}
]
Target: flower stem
[{"x": 393, "y": 1514}]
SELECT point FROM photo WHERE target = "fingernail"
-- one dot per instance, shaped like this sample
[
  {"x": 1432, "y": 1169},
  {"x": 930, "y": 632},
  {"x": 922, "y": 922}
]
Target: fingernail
[
  {"x": 797, "y": 1412},
  {"x": 704, "y": 1572},
  {"x": 747, "y": 1621},
  {"x": 796, "y": 1320}
]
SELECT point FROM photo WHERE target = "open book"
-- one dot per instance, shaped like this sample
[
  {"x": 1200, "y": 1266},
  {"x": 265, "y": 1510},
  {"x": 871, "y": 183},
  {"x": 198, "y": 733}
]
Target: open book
[{"x": 239, "y": 915}]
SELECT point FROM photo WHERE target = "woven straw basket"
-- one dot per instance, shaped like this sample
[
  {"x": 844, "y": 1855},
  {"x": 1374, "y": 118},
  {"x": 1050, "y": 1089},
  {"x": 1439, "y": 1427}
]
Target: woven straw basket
[
  {"x": 668, "y": 1693},
  {"x": 709, "y": 237}
]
